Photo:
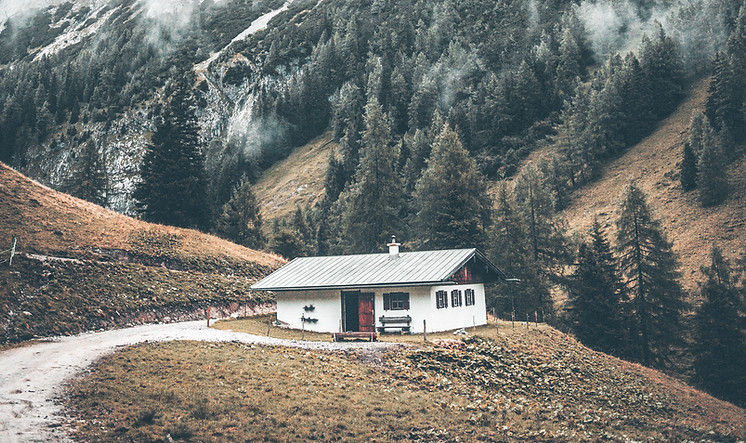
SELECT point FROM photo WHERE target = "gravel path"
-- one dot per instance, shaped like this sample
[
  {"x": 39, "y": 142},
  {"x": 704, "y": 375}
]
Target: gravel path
[{"x": 32, "y": 377}]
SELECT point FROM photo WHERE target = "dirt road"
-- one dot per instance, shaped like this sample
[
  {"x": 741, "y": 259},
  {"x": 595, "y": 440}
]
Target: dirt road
[{"x": 32, "y": 377}]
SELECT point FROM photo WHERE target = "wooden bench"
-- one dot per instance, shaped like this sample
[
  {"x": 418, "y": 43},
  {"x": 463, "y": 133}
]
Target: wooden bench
[
  {"x": 404, "y": 323},
  {"x": 340, "y": 336}
]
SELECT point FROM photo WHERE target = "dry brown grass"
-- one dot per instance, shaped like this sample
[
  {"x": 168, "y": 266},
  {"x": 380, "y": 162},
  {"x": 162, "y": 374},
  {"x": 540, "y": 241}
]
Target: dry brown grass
[
  {"x": 296, "y": 181},
  {"x": 50, "y": 222},
  {"x": 536, "y": 385},
  {"x": 257, "y": 325},
  {"x": 80, "y": 266}
]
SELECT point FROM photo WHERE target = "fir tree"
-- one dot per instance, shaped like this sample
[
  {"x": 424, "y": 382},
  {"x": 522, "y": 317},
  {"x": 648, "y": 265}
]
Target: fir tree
[
  {"x": 292, "y": 238},
  {"x": 548, "y": 252},
  {"x": 661, "y": 63},
  {"x": 712, "y": 178},
  {"x": 240, "y": 220},
  {"x": 510, "y": 251},
  {"x": 374, "y": 202},
  {"x": 335, "y": 179},
  {"x": 453, "y": 205},
  {"x": 650, "y": 272},
  {"x": 595, "y": 301},
  {"x": 720, "y": 343},
  {"x": 92, "y": 181},
  {"x": 174, "y": 183},
  {"x": 688, "y": 171}
]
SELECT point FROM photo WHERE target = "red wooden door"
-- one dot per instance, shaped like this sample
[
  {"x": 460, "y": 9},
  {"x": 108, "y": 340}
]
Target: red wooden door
[{"x": 365, "y": 313}]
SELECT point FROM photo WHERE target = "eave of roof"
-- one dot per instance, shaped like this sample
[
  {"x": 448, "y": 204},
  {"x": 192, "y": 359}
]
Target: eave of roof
[{"x": 423, "y": 268}]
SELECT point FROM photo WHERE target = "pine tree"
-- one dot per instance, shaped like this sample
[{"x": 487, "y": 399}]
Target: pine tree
[
  {"x": 568, "y": 65},
  {"x": 453, "y": 205},
  {"x": 712, "y": 178},
  {"x": 510, "y": 251},
  {"x": 92, "y": 181},
  {"x": 662, "y": 65},
  {"x": 688, "y": 172},
  {"x": 373, "y": 203},
  {"x": 548, "y": 251},
  {"x": 536, "y": 204},
  {"x": 595, "y": 301},
  {"x": 174, "y": 183},
  {"x": 650, "y": 271},
  {"x": 720, "y": 343},
  {"x": 335, "y": 179},
  {"x": 723, "y": 104},
  {"x": 701, "y": 132},
  {"x": 240, "y": 220}
]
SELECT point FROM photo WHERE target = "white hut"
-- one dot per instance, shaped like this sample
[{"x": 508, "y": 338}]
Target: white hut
[{"x": 439, "y": 290}]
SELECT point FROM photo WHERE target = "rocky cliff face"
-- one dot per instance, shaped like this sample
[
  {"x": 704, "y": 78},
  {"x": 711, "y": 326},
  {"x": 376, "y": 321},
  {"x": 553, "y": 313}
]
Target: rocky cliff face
[{"x": 121, "y": 133}]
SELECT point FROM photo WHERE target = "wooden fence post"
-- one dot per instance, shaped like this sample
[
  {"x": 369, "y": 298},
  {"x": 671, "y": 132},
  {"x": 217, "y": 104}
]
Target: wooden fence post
[
  {"x": 527, "y": 321},
  {"x": 12, "y": 251},
  {"x": 269, "y": 324},
  {"x": 512, "y": 318},
  {"x": 207, "y": 315},
  {"x": 424, "y": 329}
]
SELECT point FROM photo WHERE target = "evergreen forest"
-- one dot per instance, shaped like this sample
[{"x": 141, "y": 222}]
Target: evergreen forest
[{"x": 439, "y": 109}]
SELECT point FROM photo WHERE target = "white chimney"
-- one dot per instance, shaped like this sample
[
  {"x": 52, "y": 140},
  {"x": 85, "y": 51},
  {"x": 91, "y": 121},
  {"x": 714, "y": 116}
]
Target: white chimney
[{"x": 393, "y": 247}]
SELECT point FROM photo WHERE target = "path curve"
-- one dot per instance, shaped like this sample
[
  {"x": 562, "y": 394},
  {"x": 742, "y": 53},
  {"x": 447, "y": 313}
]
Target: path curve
[{"x": 32, "y": 377}]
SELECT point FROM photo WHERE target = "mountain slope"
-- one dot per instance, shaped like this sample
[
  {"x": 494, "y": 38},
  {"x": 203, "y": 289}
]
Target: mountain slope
[
  {"x": 79, "y": 266},
  {"x": 653, "y": 164},
  {"x": 295, "y": 181}
]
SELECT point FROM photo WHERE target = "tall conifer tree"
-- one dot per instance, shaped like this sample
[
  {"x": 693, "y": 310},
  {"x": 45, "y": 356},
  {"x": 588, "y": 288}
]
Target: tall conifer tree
[
  {"x": 453, "y": 205},
  {"x": 174, "y": 182},
  {"x": 596, "y": 297},
  {"x": 720, "y": 344},
  {"x": 688, "y": 168},
  {"x": 240, "y": 220},
  {"x": 651, "y": 274},
  {"x": 712, "y": 178},
  {"x": 374, "y": 202}
]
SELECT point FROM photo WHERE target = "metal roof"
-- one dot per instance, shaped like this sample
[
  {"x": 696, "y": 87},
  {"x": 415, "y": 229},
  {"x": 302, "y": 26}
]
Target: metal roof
[{"x": 371, "y": 270}]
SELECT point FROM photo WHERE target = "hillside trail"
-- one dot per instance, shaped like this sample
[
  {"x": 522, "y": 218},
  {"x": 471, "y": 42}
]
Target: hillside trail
[{"x": 32, "y": 378}]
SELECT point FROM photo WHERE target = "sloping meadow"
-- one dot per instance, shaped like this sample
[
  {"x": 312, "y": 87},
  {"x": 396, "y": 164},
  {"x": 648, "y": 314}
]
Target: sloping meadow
[{"x": 539, "y": 385}]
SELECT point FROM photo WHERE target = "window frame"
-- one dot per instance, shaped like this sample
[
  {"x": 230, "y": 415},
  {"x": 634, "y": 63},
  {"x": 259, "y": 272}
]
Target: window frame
[
  {"x": 441, "y": 299},
  {"x": 396, "y": 301},
  {"x": 456, "y": 298},
  {"x": 470, "y": 298}
]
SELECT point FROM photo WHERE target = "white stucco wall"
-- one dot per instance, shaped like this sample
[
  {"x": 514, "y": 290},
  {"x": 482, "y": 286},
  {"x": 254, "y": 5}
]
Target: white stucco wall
[
  {"x": 327, "y": 304},
  {"x": 328, "y": 308},
  {"x": 462, "y": 316}
]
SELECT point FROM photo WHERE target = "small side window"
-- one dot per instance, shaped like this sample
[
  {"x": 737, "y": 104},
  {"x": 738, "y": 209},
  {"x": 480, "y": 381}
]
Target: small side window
[
  {"x": 469, "y": 295},
  {"x": 441, "y": 299},
  {"x": 456, "y": 298}
]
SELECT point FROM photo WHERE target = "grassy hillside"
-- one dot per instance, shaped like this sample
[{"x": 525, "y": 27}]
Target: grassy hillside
[
  {"x": 295, "y": 181},
  {"x": 653, "y": 164},
  {"x": 80, "y": 266},
  {"x": 536, "y": 385}
]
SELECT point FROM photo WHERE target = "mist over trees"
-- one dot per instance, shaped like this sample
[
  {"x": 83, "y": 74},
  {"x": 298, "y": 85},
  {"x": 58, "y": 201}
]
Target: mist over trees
[{"x": 429, "y": 102}]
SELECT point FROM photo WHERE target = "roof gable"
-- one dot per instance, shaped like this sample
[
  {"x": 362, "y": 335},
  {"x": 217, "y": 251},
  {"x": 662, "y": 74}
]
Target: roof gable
[{"x": 374, "y": 270}]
